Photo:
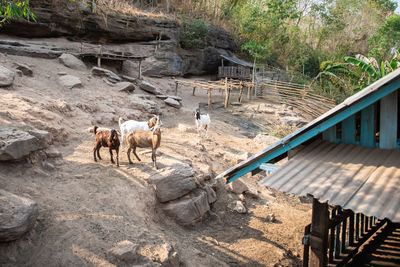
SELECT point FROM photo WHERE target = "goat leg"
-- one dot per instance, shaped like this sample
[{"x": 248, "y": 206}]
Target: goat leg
[
  {"x": 117, "y": 152},
  {"x": 129, "y": 156},
  {"x": 98, "y": 151},
  {"x": 153, "y": 157},
  {"x": 134, "y": 153},
  {"x": 94, "y": 153},
  {"x": 111, "y": 156}
]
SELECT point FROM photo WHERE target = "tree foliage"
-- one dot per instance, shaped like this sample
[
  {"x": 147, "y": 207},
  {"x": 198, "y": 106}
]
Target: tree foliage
[{"x": 14, "y": 9}]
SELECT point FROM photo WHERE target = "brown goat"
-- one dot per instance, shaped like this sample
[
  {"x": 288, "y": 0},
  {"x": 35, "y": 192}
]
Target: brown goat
[
  {"x": 143, "y": 139},
  {"x": 106, "y": 139}
]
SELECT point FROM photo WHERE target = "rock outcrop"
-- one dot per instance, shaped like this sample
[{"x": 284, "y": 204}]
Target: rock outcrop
[
  {"x": 18, "y": 215},
  {"x": 6, "y": 76},
  {"x": 72, "y": 62},
  {"x": 16, "y": 144}
]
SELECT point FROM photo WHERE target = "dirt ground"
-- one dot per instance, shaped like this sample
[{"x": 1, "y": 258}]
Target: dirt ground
[{"x": 85, "y": 207}]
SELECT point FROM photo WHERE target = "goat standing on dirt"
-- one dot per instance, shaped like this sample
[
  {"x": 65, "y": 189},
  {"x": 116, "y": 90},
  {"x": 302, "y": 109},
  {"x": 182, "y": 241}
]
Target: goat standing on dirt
[
  {"x": 107, "y": 139},
  {"x": 143, "y": 139},
  {"x": 131, "y": 125},
  {"x": 202, "y": 122}
]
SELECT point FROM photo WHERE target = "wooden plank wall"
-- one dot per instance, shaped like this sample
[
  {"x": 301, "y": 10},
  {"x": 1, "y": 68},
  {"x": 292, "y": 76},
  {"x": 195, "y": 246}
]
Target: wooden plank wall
[{"x": 388, "y": 122}]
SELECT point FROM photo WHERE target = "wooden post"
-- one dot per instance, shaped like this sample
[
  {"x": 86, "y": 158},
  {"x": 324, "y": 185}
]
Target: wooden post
[
  {"x": 226, "y": 92},
  {"x": 241, "y": 92},
  {"x": 140, "y": 70},
  {"x": 248, "y": 92},
  {"x": 319, "y": 234},
  {"x": 209, "y": 99},
  {"x": 176, "y": 88},
  {"x": 99, "y": 57},
  {"x": 194, "y": 89}
]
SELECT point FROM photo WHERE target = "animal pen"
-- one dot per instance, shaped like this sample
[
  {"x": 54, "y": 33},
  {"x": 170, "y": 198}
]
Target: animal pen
[
  {"x": 347, "y": 160},
  {"x": 299, "y": 96}
]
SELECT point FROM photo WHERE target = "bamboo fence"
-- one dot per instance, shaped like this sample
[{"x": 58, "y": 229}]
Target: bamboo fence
[{"x": 296, "y": 95}]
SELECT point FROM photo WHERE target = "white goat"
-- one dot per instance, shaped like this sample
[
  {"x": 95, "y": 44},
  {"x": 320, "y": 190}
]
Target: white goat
[
  {"x": 131, "y": 125},
  {"x": 202, "y": 122}
]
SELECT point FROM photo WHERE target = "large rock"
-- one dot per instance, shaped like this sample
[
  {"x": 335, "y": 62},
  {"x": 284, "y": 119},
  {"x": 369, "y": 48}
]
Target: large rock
[
  {"x": 69, "y": 81},
  {"x": 96, "y": 71},
  {"x": 17, "y": 216},
  {"x": 6, "y": 76},
  {"x": 237, "y": 187},
  {"x": 72, "y": 62},
  {"x": 144, "y": 105},
  {"x": 161, "y": 255},
  {"x": 190, "y": 209},
  {"x": 126, "y": 87},
  {"x": 148, "y": 87},
  {"x": 172, "y": 102},
  {"x": 45, "y": 138},
  {"x": 173, "y": 182},
  {"x": 125, "y": 251},
  {"x": 16, "y": 144}
]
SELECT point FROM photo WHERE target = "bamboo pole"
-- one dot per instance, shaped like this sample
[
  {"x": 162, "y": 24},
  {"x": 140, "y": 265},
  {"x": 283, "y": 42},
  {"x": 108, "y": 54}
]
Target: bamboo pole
[
  {"x": 209, "y": 99},
  {"x": 241, "y": 92},
  {"x": 226, "y": 92}
]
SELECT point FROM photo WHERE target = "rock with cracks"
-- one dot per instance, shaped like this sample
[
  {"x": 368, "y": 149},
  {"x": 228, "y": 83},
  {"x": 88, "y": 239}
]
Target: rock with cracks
[
  {"x": 69, "y": 81},
  {"x": 125, "y": 251},
  {"x": 190, "y": 209},
  {"x": 18, "y": 215},
  {"x": 6, "y": 76},
  {"x": 72, "y": 62},
  {"x": 146, "y": 86},
  {"x": 172, "y": 102},
  {"x": 16, "y": 144},
  {"x": 111, "y": 76},
  {"x": 174, "y": 182}
]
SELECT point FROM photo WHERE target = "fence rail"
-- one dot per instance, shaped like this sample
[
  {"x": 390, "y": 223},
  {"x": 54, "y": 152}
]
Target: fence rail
[{"x": 296, "y": 95}]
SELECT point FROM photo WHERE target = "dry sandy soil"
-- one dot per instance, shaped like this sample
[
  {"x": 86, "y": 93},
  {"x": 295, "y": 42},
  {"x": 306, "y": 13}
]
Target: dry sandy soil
[{"x": 85, "y": 207}]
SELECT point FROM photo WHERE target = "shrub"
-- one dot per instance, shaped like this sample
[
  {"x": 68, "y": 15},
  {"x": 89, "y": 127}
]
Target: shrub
[{"x": 193, "y": 34}]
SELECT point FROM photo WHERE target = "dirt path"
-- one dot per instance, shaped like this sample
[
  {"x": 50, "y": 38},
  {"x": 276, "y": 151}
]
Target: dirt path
[{"x": 87, "y": 207}]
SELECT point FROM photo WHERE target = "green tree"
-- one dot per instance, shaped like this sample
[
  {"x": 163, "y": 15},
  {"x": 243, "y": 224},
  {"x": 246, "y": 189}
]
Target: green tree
[{"x": 15, "y": 9}]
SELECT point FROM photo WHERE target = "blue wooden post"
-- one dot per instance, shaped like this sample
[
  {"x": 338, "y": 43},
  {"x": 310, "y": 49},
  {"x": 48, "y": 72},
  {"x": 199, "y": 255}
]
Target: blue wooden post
[
  {"x": 367, "y": 134},
  {"x": 388, "y": 122},
  {"x": 330, "y": 134},
  {"x": 349, "y": 130}
]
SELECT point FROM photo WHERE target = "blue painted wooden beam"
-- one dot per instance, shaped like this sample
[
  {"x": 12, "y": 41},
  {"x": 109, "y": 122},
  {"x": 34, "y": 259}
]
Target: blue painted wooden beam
[
  {"x": 330, "y": 134},
  {"x": 367, "y": 131},
  {"x": 388, "y": 122},
  {"x": 340, "y": 116},
  {"x": 349, "y": 130}
]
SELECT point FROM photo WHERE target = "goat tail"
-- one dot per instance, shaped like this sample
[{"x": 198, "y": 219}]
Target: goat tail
[{"x": 95, "y": 129}]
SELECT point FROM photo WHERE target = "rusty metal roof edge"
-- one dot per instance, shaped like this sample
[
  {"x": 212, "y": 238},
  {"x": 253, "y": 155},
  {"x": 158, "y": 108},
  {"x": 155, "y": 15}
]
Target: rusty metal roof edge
[
  {"x": 238, "y": 61},
  {"x": 347, "y": 102}
]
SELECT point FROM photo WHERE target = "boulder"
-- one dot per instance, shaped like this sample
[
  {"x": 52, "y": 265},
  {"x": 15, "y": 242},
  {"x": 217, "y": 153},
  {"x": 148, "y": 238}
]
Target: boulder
[
  {"x": 173, "y": 182},
  {"x": 175, "y": 97},
  {"x": 162, "y": 97},
  {"x": 126, "y": 87},
  {"x": 111, "y": 76},
  {"x": 190, "y": 209},
  {"x": 161, "y": 255},
  {"x": 172, "y": 102},
  {"x": 148, "y": 87},
  {"x": 18, "y": 215},
  {"x": 129, "y": 78},
  {"x": 211, "y": 195},
  {"x": 125, "y": 251},
  {"x": 45, "y": 138},
  {"x": 240, "y": 208},
  {"x": 6, "y": 76},
  {"x": 26, "y": 70},
  {"x": 16, "y": 144},
  {"x": 265, "y": 140},
  {"x": 69, "y": 81},
  {"x": 72, "y": 62},
  {"x": 144, "y": 105},
  {"x": 237, "y": 187},
  {"x": 242, "y": 156}
]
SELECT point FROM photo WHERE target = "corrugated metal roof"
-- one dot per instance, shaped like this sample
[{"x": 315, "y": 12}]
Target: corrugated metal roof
[
  {"x": 365, "y": 180},
  {"x": 238, "y": 61},
  {"x": 393, "y": 76}
]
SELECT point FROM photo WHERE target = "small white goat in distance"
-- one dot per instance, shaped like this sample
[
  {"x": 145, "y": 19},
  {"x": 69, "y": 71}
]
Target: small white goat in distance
[
  {"x": 131, "y": 125},
  {"x": 143, "y": 139},
  {"x": 202, "y": 121}
]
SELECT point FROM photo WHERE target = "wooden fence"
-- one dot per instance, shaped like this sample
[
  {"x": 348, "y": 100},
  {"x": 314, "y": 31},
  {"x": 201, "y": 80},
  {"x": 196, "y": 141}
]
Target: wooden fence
[
  {"x": 347, "y": 233},
  {"x": 296, "y": 95}
]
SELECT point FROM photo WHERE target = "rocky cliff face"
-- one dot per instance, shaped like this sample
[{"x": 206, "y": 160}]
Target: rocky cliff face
[{"x": 77, "y": 22}]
